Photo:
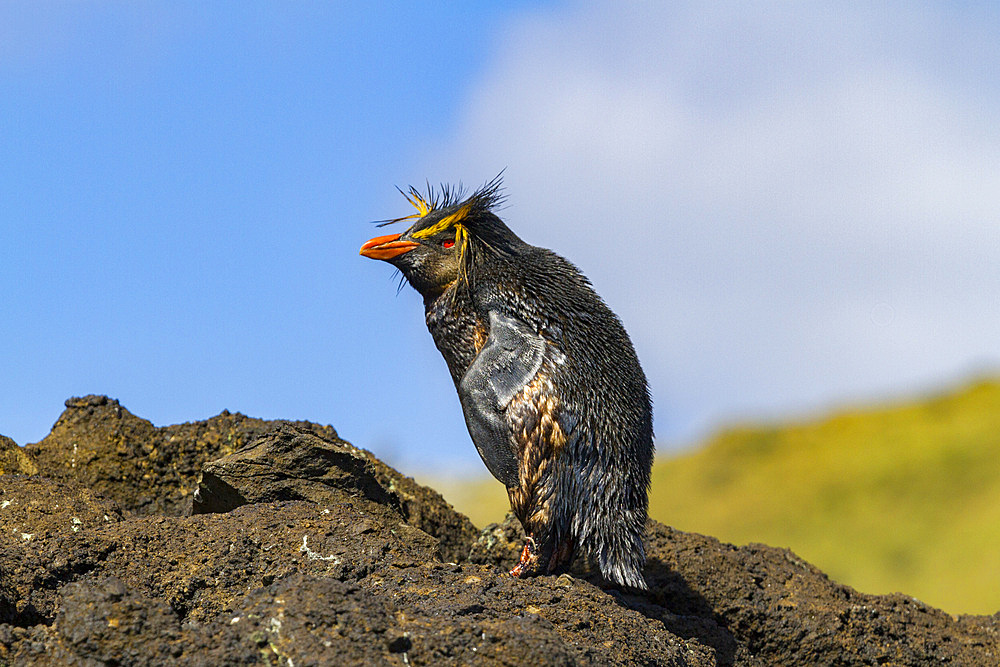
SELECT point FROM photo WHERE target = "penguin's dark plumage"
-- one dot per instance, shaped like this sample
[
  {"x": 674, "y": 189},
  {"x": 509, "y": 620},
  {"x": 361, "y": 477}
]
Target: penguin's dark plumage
[{"x": 553, "y": 394}]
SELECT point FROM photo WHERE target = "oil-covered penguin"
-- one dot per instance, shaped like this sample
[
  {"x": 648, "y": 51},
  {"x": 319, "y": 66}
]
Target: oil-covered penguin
[{"x": 552, "y": 391}]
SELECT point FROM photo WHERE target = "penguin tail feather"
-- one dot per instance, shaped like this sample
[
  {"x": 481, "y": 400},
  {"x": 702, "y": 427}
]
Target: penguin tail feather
[{"x": 625, "y": 574}]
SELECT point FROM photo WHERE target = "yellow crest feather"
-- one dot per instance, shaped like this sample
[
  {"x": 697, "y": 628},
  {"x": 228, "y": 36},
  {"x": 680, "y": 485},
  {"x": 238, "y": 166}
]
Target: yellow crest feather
[
  {"x": 422, "y": 205},
  {"x": 447, "y": 222}
]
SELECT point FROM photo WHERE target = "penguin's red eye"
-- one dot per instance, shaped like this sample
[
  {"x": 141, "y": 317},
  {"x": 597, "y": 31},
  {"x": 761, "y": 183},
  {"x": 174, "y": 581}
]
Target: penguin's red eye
[{"x": 447, "y": 243}]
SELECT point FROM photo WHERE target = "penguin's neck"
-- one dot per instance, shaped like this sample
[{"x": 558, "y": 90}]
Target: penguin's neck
[{"x": 458, "y": 332}]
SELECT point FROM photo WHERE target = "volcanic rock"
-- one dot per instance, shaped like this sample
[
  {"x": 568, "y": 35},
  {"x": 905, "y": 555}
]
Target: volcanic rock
[
  {"x": 13, "y": 459},
  {"x": 296, "y": 462},
  {"x": 147, "y": 470},
  {"x": 302, "y": 549}
]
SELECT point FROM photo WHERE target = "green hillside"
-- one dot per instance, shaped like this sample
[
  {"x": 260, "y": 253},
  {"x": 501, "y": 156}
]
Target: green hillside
[
  {"x": 897, "y": 498},
  {"x": 901, "y": 498}
]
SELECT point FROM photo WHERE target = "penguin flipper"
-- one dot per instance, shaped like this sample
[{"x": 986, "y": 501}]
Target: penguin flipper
[{"x": 508, "y": 361}]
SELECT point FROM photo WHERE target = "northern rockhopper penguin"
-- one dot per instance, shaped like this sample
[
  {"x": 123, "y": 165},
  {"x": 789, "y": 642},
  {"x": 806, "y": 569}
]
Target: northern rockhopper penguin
[{"x": 553, "y": 394}]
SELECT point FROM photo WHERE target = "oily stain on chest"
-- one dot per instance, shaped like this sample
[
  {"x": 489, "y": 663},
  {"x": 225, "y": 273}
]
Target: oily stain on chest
[{"x": 540, "y": 440}]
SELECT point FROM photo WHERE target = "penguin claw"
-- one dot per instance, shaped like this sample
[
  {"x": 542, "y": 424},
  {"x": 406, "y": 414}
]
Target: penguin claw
[{"x": 528, "y": 560}]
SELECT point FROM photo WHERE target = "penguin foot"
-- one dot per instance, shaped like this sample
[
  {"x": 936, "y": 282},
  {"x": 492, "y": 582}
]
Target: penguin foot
[{"x": 528, "y": 562}]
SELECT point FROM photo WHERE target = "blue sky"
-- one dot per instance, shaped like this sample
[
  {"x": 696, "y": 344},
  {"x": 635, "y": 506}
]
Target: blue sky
[{"x": 791, "y": 206}]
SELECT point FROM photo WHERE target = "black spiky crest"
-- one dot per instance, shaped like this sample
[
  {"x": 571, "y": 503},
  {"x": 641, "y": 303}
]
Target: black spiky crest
[{"x": 447, "y": 197}]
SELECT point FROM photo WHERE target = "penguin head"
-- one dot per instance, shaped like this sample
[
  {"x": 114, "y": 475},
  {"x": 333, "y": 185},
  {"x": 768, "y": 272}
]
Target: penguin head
[{"x": 448, "y": 237}]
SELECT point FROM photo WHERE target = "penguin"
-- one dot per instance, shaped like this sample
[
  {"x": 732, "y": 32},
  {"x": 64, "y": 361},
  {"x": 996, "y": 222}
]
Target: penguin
[{"x": 551, "y": 388}]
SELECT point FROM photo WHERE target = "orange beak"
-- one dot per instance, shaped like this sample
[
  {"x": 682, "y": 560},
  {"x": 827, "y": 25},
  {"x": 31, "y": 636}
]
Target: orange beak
[{"x": 387, "y": 247}]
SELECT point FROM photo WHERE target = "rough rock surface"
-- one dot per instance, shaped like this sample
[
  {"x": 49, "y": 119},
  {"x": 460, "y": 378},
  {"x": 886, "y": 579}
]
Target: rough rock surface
[
  {"x": 148, "y": 470},
  {"x": 291, "y": 462},
  {"x": 303, "y": 549},
  {"x": 13, "y": 459}
]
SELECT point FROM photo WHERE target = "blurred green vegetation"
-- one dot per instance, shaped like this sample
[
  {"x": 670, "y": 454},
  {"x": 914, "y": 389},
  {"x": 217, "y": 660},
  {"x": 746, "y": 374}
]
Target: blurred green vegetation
[{"x": 902, "y": 497}]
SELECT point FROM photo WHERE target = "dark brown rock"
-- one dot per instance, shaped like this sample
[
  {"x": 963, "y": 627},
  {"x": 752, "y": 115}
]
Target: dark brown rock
[
  {"x": 33, "y": 508},
  {"x": 784, "y": 611},
  {"x": 311, "y": 583},
  {"x": 201, "y": 565},
  {"x": 499, "y": 544},
  {"x": 147, "y": 470},
  {"x": 327, "y": 556},
  {"x": 14, "y": 460},
  {"x": 563, "y": 620},
  {"x": 407, "y": 619},
  {"x": 290, "y": 462},
  {"x": 36, "y": 513},
  {"x": 103, "y": 622}
]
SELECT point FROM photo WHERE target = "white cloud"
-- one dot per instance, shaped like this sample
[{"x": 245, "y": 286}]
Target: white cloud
[{"x": 788, "y": 204}]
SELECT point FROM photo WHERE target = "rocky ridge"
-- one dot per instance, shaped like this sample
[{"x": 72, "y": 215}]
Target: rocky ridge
[{"x": 235, "y": 541}]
